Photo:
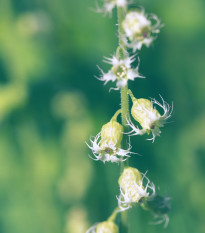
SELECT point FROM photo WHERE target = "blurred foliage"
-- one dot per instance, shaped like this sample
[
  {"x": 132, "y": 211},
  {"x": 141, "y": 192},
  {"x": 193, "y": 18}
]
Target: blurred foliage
[{"x": 50, "y": 104}]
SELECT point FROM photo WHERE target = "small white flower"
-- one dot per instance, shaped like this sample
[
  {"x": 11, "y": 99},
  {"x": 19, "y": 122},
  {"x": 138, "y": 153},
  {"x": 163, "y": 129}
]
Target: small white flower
[
  {"x": 108, "y": 151},
  {"x": 109, "y": 5},
  {"x": 150, "y": 119},
  {"x": 139, "y": 29},
  {"x": 132, "y": 189},
  {"x": 121, "y": 70},
  {"x": 106, "y": 146}
]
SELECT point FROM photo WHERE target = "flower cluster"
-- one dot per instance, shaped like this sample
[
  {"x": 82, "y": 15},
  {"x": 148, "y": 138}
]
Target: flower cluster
[{"x": 112, "y": 143}]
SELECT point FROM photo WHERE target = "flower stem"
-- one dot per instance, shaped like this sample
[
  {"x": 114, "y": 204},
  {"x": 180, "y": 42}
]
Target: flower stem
[
  {"x": 114, "y": 118},
  {"x": 114, "y": 214},
  {"x": 131, "y": 95},
  {"x": 124, "y": 113}
]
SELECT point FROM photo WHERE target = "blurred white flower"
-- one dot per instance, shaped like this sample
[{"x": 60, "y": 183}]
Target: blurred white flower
[{"x": 139, "y": 29}]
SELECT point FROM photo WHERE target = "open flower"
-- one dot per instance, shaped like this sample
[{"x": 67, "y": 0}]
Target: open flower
[
  {"x": 121, "y": 70},
  {"x": 131, "y": 188},
  {"x": 106, "y": 146},
  {"x": 109, "y": 5},
  {"x": 104, "y": 227},
  {"x": 144, "y": 111},
  {"x": 139, "y": 29}
]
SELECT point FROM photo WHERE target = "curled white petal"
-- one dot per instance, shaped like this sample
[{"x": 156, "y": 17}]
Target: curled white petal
[{"x": 134, "y": 129}]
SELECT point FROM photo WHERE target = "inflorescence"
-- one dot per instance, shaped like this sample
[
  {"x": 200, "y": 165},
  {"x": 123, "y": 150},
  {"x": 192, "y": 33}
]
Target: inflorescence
[{"x": 137, "y": 29}]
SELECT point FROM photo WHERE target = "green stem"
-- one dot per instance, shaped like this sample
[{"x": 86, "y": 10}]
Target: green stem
[
  {"x": 124, "y": 114},
  {"x": 131, "y": 95},
  {"x": 121, "y": 16},
  {"x": 114, "y": 118}
]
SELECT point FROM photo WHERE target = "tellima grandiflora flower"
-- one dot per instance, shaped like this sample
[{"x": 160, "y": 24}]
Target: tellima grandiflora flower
[
  {"x": 121, "y": 70},
  {"x": 144, "y": 111},
  {"x": 106, "y": 146},
  {"x": 139, "y": 29},
  {"x": 132, "y": 189},
  {"x": 104, "y": 227}
]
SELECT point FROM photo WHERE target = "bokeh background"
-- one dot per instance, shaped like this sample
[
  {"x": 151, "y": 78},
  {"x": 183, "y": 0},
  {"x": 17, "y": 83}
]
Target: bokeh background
[{"x": 50, "y": 104}]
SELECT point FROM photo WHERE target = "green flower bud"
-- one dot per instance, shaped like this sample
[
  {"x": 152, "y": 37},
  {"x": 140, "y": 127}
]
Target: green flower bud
[
  {"x": 131, "y": 188},
  {"x": 111, "y": 133},
  {"x": 129, "y": 175},
  {"x": 143, "y": 112},
  {"x": 131, "y": 182},
  {"x": 107, "y": 227}
]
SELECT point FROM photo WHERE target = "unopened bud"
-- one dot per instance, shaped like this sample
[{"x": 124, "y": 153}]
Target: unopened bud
[
  {"x": 131, "y": 183},
  {"x": 111, "y": 133},
  {"x": 143, "y": 112},
  {"x": 129, "y": 175}
]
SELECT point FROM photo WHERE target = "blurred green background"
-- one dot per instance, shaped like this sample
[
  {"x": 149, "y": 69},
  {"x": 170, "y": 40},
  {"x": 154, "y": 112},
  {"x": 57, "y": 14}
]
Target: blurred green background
[{"x": 50, "y": 104}]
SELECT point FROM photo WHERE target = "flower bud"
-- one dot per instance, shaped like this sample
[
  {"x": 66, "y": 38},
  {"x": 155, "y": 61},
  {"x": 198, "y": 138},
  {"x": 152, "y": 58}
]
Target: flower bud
[
  {"x": 131, "y": 182},
  {"x": 143, "y": 112},
  {"x": 111, "y": 133},
  {"x": 106, "y": 146},
  {"x": 146, "y": 114},
  {"x": 129, "y": 175},
  {"x": 131, "y": 188},
  {"x": 107, "y": 227}
]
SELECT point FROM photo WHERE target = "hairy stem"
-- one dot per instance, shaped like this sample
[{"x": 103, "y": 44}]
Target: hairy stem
[{"x": 124, "y": 114}]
